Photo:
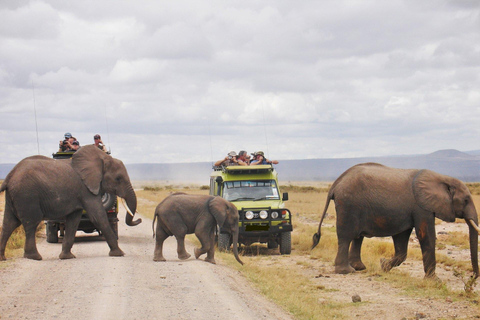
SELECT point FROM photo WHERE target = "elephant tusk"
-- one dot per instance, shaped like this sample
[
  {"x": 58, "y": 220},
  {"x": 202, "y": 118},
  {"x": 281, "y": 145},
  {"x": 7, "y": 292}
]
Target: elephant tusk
[
  {"x": 126, "y": 207},
  {"x": 474, "y": 225}
]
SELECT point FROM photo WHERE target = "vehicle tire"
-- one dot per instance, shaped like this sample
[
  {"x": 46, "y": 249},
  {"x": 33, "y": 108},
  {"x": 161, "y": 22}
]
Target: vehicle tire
[
  {"x": 272, "y": 244},
  {"x": 108, "y": 200},
  {"x": 52, "y": 232},
  {"x": 285, "y": 242},
  {"x": 224, "y": 241}
]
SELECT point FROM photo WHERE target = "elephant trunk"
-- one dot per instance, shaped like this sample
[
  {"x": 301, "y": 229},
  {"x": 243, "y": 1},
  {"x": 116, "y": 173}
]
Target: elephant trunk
[
  {"x": 235, "y": 245},
  {"x": 473, "y": 231},
  {"x": 131, "y": 207}
]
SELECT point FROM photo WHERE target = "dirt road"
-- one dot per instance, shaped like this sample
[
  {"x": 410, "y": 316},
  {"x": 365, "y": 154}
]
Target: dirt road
[{"x": 96, "y": 286}]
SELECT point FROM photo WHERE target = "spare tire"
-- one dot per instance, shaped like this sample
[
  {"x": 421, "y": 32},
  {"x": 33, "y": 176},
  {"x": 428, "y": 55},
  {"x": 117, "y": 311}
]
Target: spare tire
[{"x": 108, "y": 200}]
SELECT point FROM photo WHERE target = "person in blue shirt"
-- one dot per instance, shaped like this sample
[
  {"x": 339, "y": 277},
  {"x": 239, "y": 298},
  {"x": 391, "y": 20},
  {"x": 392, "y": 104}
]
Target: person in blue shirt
[{"x": 259, "y": 158}]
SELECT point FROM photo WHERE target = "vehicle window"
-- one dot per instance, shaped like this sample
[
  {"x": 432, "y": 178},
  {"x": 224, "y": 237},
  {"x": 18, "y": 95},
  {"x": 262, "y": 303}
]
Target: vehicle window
[{"x": 250, "y": 190}]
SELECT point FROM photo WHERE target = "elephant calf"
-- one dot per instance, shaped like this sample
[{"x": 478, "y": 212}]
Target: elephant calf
[
  {"x": 180, "y": 214},
  {"x": 373, "y": 200}
]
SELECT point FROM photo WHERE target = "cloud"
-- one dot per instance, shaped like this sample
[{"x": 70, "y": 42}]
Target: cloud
[{"x": 190, "y": 81}]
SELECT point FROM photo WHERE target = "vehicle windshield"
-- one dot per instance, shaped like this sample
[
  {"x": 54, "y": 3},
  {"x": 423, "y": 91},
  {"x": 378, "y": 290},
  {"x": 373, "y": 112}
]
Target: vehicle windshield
[{"x": 250, "y": 190}]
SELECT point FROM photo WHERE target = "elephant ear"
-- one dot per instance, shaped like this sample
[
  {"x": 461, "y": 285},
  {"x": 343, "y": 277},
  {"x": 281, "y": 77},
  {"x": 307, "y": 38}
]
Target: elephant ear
[
  {"x": 218, "y": 208},
  {"x": 434, "y": 192},
  {"x": 88, "y": 162}
]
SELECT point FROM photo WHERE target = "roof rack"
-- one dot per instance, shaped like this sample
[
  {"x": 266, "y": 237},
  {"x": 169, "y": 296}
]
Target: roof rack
[{"x": 264, "y": 168}]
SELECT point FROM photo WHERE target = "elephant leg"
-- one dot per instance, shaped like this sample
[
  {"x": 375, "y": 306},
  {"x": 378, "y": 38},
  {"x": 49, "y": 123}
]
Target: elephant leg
[
  {"x": 31, "y": 251},
  {"x": 161, "y": 235},
  {"x": 10, "y": 223},
  {"x": 342, "y": 265},
  {"x": 71, "y": 226},
  {"x": 400, "y": 242},
  {"x": 425, "y": 231},
  {"x": 207, "y": 239},
  {"x": 180, "y": 235},
  {"x": 354, "y": 257}
]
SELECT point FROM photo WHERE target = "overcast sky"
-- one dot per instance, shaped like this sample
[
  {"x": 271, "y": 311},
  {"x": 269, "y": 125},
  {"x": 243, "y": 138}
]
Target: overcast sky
[{"x": 188, "y": 81}]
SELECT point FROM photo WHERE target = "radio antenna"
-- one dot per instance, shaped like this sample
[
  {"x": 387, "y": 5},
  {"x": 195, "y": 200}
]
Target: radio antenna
[
  {"x": 211, "y": 147},
  {"x": 265, "y": 129},
  {"x": 35, "y": 113},
  {"x": 108, "y": 131}
]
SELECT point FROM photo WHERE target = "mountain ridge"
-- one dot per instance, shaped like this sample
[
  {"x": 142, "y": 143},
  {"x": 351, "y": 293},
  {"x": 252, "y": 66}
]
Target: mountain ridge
[{"x": 462, "y": 165}]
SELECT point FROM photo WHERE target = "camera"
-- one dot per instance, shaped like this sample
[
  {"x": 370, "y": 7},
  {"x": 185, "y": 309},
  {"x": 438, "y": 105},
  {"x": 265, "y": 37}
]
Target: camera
[{"x": 65, "y": 142}]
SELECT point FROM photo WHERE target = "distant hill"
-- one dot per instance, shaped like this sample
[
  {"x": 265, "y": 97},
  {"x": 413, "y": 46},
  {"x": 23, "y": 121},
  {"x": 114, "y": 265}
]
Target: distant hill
[{"x": 462, "y": 165}]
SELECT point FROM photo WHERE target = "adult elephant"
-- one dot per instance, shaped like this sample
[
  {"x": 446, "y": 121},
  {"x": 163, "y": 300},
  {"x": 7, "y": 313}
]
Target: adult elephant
[
  {"x": 180, "y": 214},
  {"x": 40, "y": 188},
  {"x": 373, "y": 200}
]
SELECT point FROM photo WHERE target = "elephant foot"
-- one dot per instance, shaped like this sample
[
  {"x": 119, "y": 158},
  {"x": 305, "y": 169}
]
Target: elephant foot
[
  {"x": 344, "y": 270},
  {"x": 433, "y": 277},
  {"x": 385, "y": 264},
  {"x": 116, "y": 253},
  {"x": 33, "y": 256},
  {"x": 211, "y": 260},
  {"x": 67, "y": 255},
  {"x": 184, "y": 256},
  {"x": 161, "y": 258},
  {"x": 198, "y": 253},
  {"x": 358, "y": 265},
  {"x": 2, "y": 257}
]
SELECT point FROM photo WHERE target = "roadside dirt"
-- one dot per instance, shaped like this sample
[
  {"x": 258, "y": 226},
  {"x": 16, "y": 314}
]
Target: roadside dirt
[
  {"x": 383, "y": 300},
  {"x": 96, "y": 286}
]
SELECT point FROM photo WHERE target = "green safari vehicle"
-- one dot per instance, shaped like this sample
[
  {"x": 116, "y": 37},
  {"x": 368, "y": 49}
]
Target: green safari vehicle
[{"x": 254, "y": 190}]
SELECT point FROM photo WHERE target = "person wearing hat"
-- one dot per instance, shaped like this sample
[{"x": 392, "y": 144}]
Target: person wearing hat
[
  {"x": 259, "y": 158},
  {"x": 229, "y": 160},
  {"x": 99, "y": 143},
  {"x": 67, "y": 144},
  {"x": 75, "y": 145}
]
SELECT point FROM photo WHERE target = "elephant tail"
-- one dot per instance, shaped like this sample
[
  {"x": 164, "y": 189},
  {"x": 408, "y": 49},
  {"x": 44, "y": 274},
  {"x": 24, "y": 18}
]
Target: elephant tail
[
  {"x": 153, "y": 224},
  {"x": 317, "y": 236}
]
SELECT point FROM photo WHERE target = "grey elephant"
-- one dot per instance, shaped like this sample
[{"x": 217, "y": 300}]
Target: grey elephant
[
  {"x": 40, "y": 188},
  {"x": 373, "y": 200},
  {"x": 180, "y": 214}
]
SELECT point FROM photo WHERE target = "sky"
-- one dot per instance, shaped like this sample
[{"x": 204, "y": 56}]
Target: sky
[{"x": 189, "y": 81}]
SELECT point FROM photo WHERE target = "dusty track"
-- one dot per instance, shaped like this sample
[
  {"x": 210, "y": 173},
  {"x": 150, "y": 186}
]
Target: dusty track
[{"x": 96, "y": 286}]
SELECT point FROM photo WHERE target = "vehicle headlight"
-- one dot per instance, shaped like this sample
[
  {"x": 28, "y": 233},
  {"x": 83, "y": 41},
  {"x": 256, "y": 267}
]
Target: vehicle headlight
[
  {"x": 249, "y": 215},
  {"x": 274, "y": 215},
  {"x": 263, "y": 214}
]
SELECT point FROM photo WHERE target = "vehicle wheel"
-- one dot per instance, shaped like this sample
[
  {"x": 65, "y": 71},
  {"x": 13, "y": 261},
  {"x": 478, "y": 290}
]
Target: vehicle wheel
[
  {"x": 224, "y": 241},
  {"x": 108, "y": 200},
  {"x": 272, "y": 244},
  {"x": 52, "y": 232},
  {"x": 285, "y": 243}
]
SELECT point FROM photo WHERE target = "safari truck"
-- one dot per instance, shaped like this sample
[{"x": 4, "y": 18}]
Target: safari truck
[
  {"x": 54, "y": 227},
  {"x": 254, "y": 190}
]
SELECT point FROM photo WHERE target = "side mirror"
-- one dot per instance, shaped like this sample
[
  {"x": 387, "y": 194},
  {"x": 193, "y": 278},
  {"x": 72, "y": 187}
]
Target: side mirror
[
  {"x": 219, "y": 181},
  {"x": 285, "y": 196}
]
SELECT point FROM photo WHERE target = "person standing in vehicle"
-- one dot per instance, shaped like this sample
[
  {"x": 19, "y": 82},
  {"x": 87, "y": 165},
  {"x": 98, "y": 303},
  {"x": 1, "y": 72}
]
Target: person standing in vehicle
[
  {"x": 229, "y": 160},
  {"x": 243, "y": 158},
  {"x": 99, "y": 143},
  {"x": 66, "y": 144},
  {"x": 260, "y": 159}
]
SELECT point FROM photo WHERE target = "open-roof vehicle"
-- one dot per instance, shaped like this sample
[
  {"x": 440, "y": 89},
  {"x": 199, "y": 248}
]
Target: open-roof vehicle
[{"x": 255, "y": 192}]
